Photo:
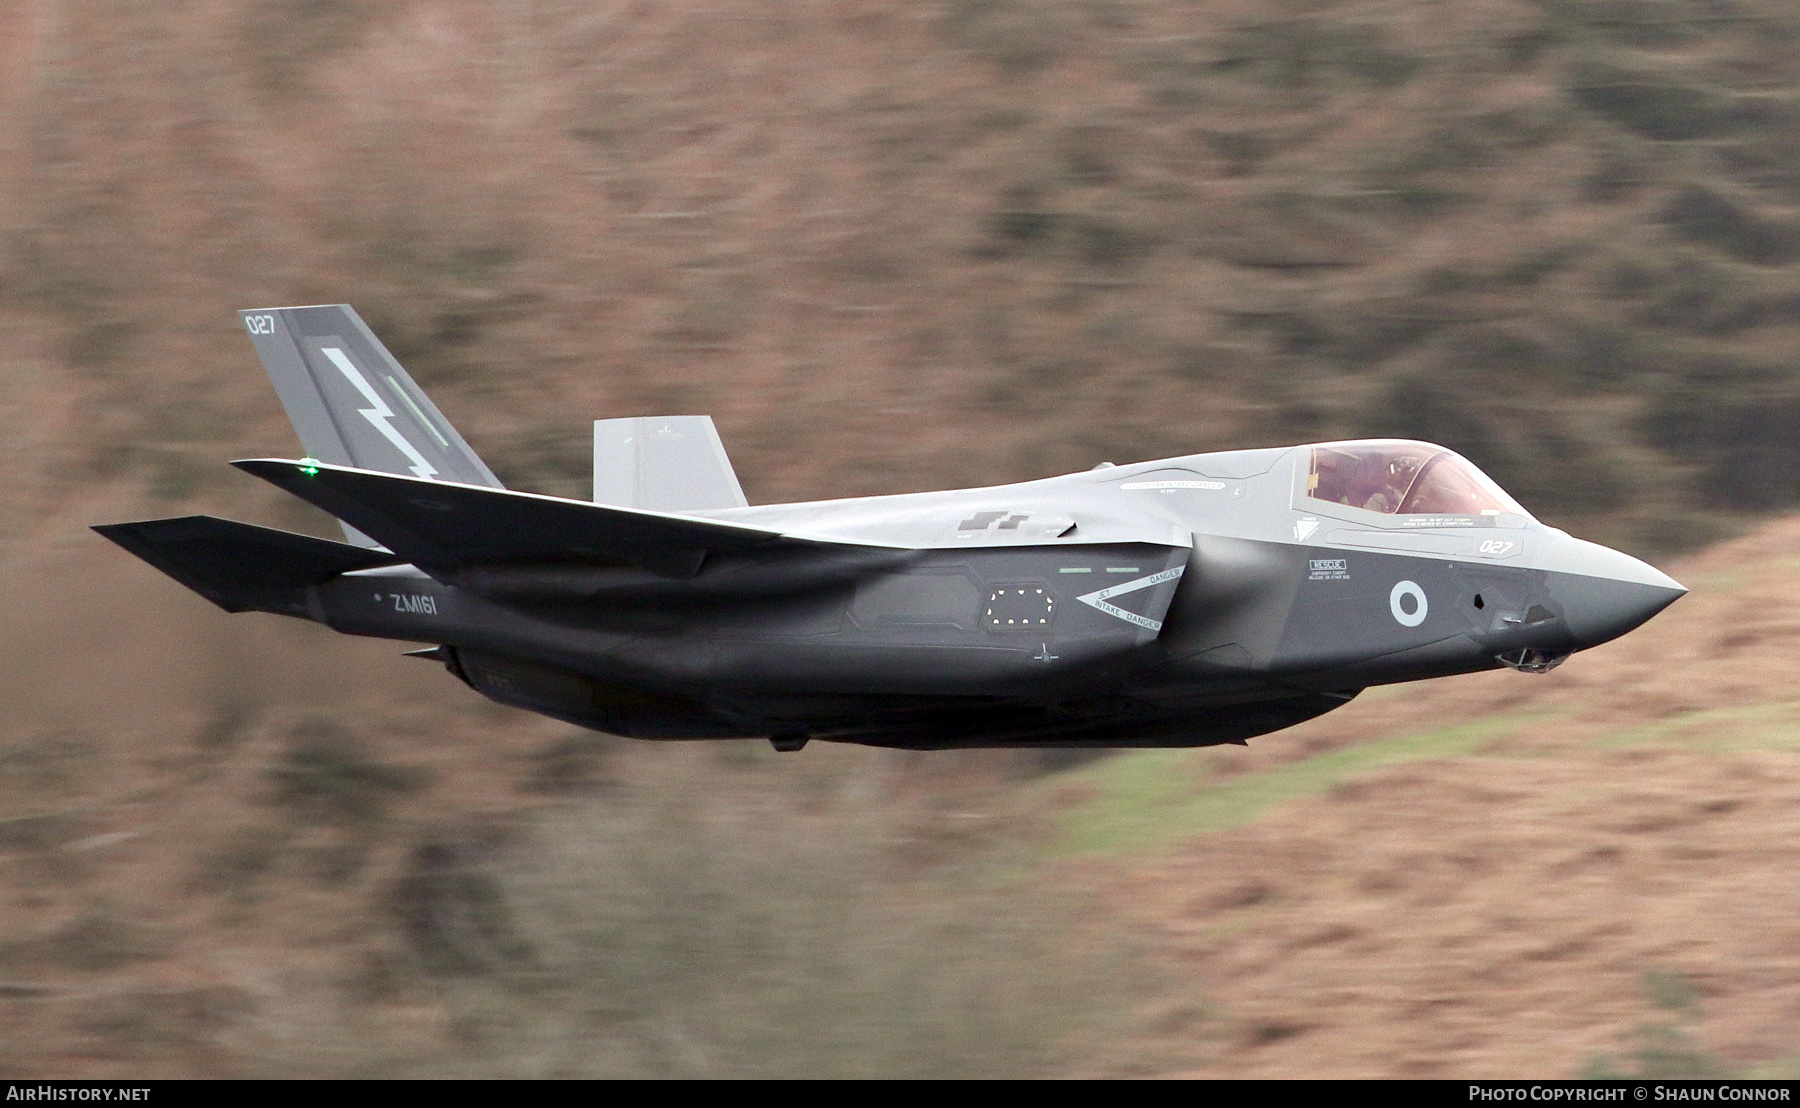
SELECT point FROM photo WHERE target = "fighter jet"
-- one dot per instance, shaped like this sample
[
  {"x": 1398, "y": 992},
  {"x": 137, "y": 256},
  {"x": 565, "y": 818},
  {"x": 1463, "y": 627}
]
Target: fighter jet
[{"x": 1186, "y": 601}]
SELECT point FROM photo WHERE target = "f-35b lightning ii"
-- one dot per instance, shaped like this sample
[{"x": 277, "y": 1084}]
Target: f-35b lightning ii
[{"x": 1183, "y": 602}]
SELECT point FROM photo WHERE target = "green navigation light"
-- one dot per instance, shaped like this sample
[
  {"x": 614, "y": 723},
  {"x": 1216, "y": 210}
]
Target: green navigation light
[{"x": 309, "y": 466}]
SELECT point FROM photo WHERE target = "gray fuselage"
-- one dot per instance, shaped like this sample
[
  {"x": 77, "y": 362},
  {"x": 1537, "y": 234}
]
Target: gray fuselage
[{"x": 1188, "y": 601}]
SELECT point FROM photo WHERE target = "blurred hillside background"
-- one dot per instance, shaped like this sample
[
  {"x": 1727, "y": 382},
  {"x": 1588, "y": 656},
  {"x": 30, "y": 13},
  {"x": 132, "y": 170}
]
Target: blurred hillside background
[{"x": 895, "y": 246}]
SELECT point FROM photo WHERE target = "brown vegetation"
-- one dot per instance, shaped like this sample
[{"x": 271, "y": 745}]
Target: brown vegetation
[{"x": 892, "y": 245}]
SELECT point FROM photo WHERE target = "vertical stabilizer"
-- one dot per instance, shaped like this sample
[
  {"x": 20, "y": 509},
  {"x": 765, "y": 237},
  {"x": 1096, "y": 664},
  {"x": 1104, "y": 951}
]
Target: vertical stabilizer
[
  {"x": 663, "y": 464},
  {"x": 351, "y": 402}
]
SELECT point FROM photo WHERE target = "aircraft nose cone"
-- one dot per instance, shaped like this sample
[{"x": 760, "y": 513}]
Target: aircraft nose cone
[
  {"x": 1600, "y": 609},
  {"x": 1604, "y": 592}
]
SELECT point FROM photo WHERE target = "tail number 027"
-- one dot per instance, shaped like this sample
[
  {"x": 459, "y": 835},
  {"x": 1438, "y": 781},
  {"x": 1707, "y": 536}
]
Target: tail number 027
[{"x": 260, "y": 324}]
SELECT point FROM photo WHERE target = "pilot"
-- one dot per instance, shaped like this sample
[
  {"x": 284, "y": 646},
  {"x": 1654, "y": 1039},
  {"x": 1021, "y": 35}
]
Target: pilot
[
  {"x": 1394, "y": 475},
  {"x": 1369, "y": 485}
]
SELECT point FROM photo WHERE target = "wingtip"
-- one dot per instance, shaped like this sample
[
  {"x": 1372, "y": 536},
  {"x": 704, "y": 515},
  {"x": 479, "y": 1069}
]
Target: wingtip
[{"x": 271, "y": 467}]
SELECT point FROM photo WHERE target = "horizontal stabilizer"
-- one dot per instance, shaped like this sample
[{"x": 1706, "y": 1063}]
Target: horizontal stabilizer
[
  {"x": 238, "y": 566},
  {"x": 440, "y": 526},
  {"x": 663, "y": 464}
]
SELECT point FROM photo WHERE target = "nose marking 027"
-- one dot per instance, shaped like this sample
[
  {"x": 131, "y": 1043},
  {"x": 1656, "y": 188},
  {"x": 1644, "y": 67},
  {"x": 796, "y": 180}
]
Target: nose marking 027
[{"x": 1420, "y": 605}]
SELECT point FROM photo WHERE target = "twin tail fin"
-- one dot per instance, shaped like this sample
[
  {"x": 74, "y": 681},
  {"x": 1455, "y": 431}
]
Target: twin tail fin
[{"x": 352, "y": 404}]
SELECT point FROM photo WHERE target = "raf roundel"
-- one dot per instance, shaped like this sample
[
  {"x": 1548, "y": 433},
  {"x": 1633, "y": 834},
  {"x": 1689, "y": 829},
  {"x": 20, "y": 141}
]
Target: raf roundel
[{"x": 1408, "y": 615}]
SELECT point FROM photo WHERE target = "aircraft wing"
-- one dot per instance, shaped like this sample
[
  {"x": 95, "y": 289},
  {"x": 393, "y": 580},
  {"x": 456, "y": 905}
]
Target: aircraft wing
[
  {"x": 239, "y": 566},
  {"x": 441, "y": 525}
]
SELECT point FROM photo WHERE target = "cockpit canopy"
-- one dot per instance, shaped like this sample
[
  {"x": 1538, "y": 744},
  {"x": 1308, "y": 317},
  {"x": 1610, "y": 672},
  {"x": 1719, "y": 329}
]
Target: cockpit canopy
[{"x": 1395, "y": 477}]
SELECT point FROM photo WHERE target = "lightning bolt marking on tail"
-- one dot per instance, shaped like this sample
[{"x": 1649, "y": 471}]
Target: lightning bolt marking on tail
[
  {"x": 378, "y": 413},
  {"x": 418, "y": 414}
]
